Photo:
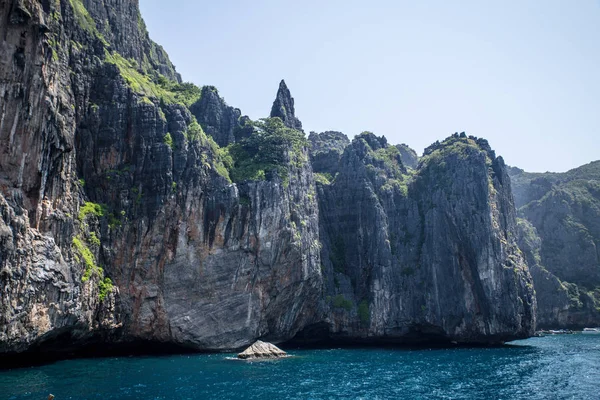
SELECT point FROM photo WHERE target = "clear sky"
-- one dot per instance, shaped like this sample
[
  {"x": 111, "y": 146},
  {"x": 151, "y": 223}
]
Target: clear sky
[{"x": 523, "y": 74}]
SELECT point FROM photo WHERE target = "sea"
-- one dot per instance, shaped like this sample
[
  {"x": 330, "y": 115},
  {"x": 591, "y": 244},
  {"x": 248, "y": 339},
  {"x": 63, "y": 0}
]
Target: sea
[{"x": 551, "y": 367}]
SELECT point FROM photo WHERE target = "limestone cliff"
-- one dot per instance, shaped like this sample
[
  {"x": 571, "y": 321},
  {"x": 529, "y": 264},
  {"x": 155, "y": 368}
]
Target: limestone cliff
[
  {"x": 283, "y": 107},
  {"x": 560, "y": 235},
  {"x": 218, "y": 119},
  {"x": 119, "y": 220},
  {"x": 326, "y": 150},
  {"x": 408, "y": 156},
  {"x": 136, "y": 208},
  {"x": 423, "y": 255}
]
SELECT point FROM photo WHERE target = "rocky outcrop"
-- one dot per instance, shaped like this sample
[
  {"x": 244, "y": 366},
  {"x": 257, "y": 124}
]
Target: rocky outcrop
[
  {"x": 217, "y": 118},
  {"x": 283, "y": 108},
  {"x": 43, "y": 296},
  {"x": 262, "y": 350},
  {"x": 326, "y": 150},
  {"x": 560, "y": 234},
  {"x": 531, "y": 186},
  {"x": 408, "y": 156},
  {"x": 409, "y": 258},
  {"x": 120, "y": 24},
  {"x": 123, "y": 221}
]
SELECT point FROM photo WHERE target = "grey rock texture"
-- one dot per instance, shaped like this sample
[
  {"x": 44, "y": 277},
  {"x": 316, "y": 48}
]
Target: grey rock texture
[
  {"x": 119, "y": 222},
  {"x": 409, "y": 157},
  {"x": 283, "y": 107},
  {"x": 561, "y": 218},
  {"x": 217, "y": 118},
  {"x": 326, "y": 150},
  {"x": 429, "y": 255},
  {"x": 192, "y": 259},
  {"x": 560, "y": 304},
  {"x": 262, "y": 350},
  {"x": 121, "y": 24},
  {"x": 43, "y": 293}
]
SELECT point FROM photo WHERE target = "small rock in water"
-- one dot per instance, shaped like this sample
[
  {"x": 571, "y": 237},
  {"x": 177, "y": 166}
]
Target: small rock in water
[{"x": 262, "y": 350}]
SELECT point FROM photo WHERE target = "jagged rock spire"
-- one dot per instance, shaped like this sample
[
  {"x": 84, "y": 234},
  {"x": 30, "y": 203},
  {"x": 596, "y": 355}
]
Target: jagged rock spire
[{"x": 283, "y": 107}]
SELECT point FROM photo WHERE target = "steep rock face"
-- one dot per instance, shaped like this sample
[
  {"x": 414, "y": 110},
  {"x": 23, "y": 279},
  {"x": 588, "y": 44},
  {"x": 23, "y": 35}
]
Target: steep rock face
[
  {"x": 561, "y": 214},
  {"x": 429, "y": 255},
  {"x": 283, "y": 107},
  {"x": 217, "y": 118},
  {"x": 560, "y": 304},
  {"x": 409, "y": 157},
  {"x": 120, "y": 24},
  {"x": 134, "y": 229},
  {"x": 200, "y": 262},
  {"x": 44, "y": 293},
  {"x": 570, "y": 227},
  {"x": 326, "y": 150}
]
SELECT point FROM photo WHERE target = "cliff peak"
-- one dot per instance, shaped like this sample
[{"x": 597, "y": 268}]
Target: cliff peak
[
  {"x": 326, "y": 149},
  {"x": 217, "y": 118},
  {"x": 408, "y": 155},
  {"x": 283, "y": 107}
]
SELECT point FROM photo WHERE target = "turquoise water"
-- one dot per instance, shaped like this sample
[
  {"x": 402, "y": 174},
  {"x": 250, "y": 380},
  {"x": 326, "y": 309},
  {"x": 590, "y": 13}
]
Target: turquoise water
[{"x": 553, "y": 367}]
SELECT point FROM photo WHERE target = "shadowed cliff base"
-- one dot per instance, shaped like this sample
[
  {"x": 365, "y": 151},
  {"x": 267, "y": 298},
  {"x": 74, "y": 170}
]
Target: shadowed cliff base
[
  {"x": 59, "y": 350},
  {"x": 319, "y": 336}
]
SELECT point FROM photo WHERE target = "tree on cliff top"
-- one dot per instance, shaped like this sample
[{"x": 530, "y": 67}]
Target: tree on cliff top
[{"x": 268, "y": 150}]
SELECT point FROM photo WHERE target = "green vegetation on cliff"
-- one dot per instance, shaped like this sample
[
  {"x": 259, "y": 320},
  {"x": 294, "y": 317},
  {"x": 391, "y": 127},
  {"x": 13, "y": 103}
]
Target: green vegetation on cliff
[
  {"x": 384, "y": 164},
  {"x": 530, "y": 240},
  {"x": 460, "y": 146},
  {"x": 324, "y": 178},
  {"x": 565, "y": 210},
  {"x": 168, "y": 139},
  {"x": 153, "y": 85},
  {"x": 339, "y": 301},
  {"x": 91, "y": 208},
  {"x": 560, "y": 235},
  {"x": 269, "y": 149},
  {"x": 194, "y": 131},
  {"x": 185, "y": 93},
  {"x": 363, "y": 312},
  {"x": 82, "y": 251},
  {"x": 456, "y": 148},
  {"x": 85, "y": 20},
  {"x": 105, "y": 286},
  {"x": 88, "y": 258},
  {"x": 390, "y": 157}
]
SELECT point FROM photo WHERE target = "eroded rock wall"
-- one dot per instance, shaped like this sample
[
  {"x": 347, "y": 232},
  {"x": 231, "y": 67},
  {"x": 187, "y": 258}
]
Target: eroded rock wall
[
  {"x": 429, "y": 255},
  {"x": 560, "y": 235},
  {"x": 119, "y": 223}
]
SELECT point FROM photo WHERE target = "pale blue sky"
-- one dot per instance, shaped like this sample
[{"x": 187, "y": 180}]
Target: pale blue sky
[{"x": 523, "y": 74}]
